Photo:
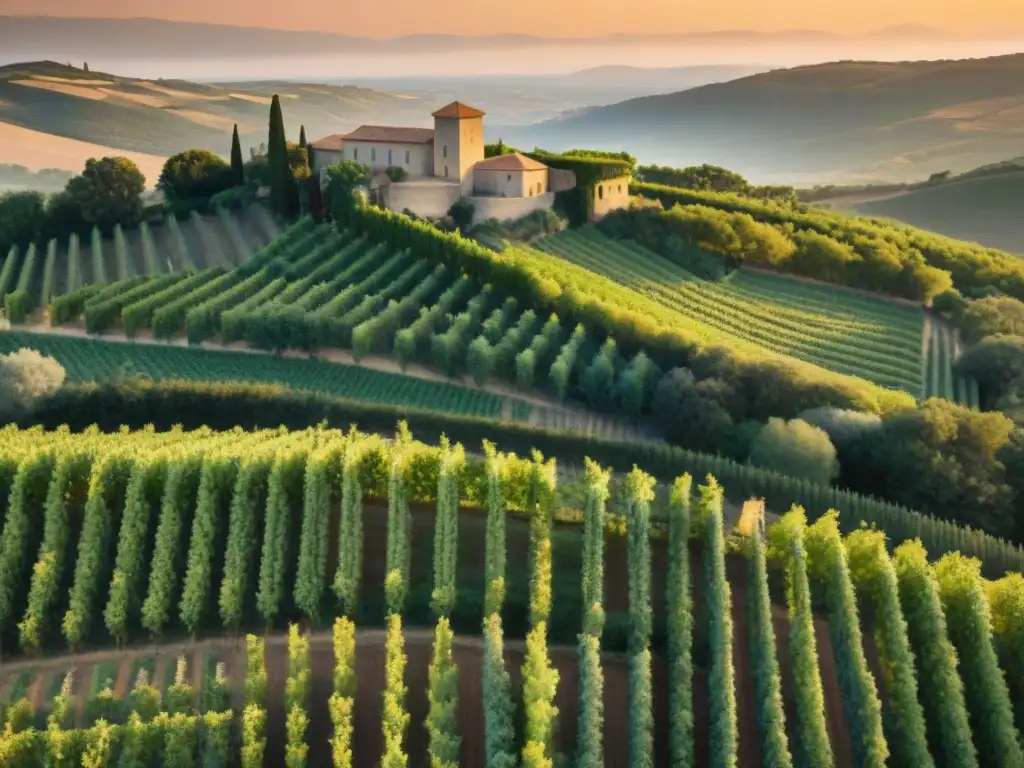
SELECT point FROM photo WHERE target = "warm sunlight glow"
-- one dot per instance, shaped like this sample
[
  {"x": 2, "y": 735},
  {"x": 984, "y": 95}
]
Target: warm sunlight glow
[{"x": 569, "y": 18}]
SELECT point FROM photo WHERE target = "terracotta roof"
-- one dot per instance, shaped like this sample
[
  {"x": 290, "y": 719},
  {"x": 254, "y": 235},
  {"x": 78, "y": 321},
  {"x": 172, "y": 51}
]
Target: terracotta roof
[
  {"x": 391, "y": 134},
  {"x": 334, "y": 141},
  {"x": 511, "y": 162},
  {"x": 458, "y": 110}
]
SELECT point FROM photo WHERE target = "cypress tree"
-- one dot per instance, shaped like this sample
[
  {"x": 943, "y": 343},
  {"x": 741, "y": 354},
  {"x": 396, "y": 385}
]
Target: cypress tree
[
  {"x": 237, "y": 166},
  {"x": 302, "y": 137},
  {"x": 282, "y": 186}
]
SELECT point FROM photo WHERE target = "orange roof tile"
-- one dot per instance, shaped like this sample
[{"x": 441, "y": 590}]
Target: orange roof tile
[
  {"x": 333, "y": 142},
  {"x": 510, "y": 162},
  {"x": 390, "y": 134},
  {"x": 458, "y": 110}
]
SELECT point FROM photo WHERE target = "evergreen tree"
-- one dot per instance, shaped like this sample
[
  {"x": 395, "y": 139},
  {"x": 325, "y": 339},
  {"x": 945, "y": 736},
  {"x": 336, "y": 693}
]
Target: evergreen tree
[
  {"x": 302, "y": 137},
  {"x": 237, "y": 165},
  {"x": 283, "y": 191}
]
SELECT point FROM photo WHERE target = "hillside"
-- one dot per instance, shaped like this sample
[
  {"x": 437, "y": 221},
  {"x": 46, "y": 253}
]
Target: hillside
[
  {"x": 43, "y": 105},
  {"x": 986, "y": 210},
  {"x": 850, "y": 120}
]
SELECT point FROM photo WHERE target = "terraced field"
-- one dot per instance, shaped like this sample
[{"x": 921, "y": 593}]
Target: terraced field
[{"x": 836, "y": 329}]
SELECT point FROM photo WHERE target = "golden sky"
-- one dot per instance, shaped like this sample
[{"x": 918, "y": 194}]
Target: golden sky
[{"x": 553, "y": 18}]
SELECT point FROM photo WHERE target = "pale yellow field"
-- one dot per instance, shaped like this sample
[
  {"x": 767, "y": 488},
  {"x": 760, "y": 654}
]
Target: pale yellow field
[
  {"x": 251, "y": 97},
  {"x": 173, "y": 93},
  {"x": 65, "y": 88},
  {"x": 204, "y": 118},
  {"x": 36, "y": 150},
  {"x": 157, "y": 102}
]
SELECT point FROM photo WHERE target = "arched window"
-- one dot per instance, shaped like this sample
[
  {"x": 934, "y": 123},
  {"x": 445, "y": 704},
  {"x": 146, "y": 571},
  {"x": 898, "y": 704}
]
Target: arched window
[
  {"x": 389, "y": 157},
  {"x": 444, "y": 151},
  {"x": 446, "y": 171},
  {"x": 600, "y": 191},
  {"x": 509, "y": 177}
]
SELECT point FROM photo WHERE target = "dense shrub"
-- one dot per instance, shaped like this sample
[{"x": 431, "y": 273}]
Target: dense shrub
[
  {"x": 26, "y": 377},
  {"x": 797, "y": 449},
  {"x": 680, "y": 626}
]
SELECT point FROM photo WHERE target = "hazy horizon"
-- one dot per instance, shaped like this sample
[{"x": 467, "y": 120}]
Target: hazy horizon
[{"x": 531, "y": 61}]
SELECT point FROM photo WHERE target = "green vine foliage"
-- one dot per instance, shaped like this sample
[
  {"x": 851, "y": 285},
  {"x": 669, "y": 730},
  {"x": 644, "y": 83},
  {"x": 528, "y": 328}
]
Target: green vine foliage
[
  {"x": 350, "y": 531},
  {"x": 680, "y": 625},
  {"x": 942, "y": 690},
  {"x": 248, "y": 505},
  {"x": 176, "y": 511},
  {"x": 592, "y": 575},
  {"x": 321, "y": 476},
  {"x": 65, "y": 496},
  {"x": 396, "y": 583},
  {"x": 446, "y": 529},
  {"x": 827, "y": 560},
  {"x": 540, "y": 504},
  {"x": 721, "y": 675},
  {"x": 874, "y": 578},
  {"x": 590, "y": 715},
  {"x": 106, "y": 495},
  {"x": 216, "y": 482},
  {"x": 763, "y": 659},
  {"x": 395, "y": 717},
  {"x": 495, "y": 551},
  {"x": 499, "y": 707},
  {"x": 284, "y": 498},
  {"x": 540, "y": 683},
  {"x": 987, "y": 696},
  {"x": 443, "y": 697}
]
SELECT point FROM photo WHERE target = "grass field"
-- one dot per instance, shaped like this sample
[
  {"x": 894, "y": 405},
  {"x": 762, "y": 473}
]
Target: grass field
[
  {"x": 984, "y": 210},
  {"x": 835, "y": 329}
]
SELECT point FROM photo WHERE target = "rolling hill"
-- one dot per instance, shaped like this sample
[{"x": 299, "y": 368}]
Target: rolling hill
[
  {"x": 45, "y": 105},
  {"x": 847, "y": 120},
  {"x": 986, "y": 210}
]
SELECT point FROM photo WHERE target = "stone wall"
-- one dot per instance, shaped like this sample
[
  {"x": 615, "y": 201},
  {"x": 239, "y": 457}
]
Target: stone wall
[
  {"x": 610, "y": 196},
  {"x": 424, "y": 198},
  {"x": 506, "y": 208}
]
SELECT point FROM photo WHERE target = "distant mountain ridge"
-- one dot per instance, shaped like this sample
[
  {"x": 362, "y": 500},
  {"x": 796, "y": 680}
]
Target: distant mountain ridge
[
  {"x": 27, "y": 36},
  {"x": 828, "y": 122}
]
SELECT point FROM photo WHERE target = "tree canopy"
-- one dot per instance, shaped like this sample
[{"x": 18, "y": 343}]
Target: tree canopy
[
  {"x": 797, "y": 449},
  {"x": 109, "y": 192},
  {"x": 194, "y": 174}
]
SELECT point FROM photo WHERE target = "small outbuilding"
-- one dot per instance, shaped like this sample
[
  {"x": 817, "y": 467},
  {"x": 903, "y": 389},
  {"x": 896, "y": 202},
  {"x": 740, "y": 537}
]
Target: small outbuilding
[{"x": 512, "y": 175}]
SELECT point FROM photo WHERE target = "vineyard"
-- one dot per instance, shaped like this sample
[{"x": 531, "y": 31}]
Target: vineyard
[
  {"x": 30, "y": 281},
  {"x": 97, "y": 360},
  {"x": 943, "y": 349},
  {"x": 314, "y": 288},
  {"x": 835, "y": 329},
  {"x": 683, "y": 652}
]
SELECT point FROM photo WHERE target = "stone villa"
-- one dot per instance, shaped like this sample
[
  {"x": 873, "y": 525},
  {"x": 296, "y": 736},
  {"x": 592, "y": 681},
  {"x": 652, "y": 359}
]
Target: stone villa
[{"x": 446, "y": 163}]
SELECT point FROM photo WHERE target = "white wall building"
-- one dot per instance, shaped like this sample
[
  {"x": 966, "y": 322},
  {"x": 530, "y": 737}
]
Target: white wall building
[{"x": 446, "y": 163}]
